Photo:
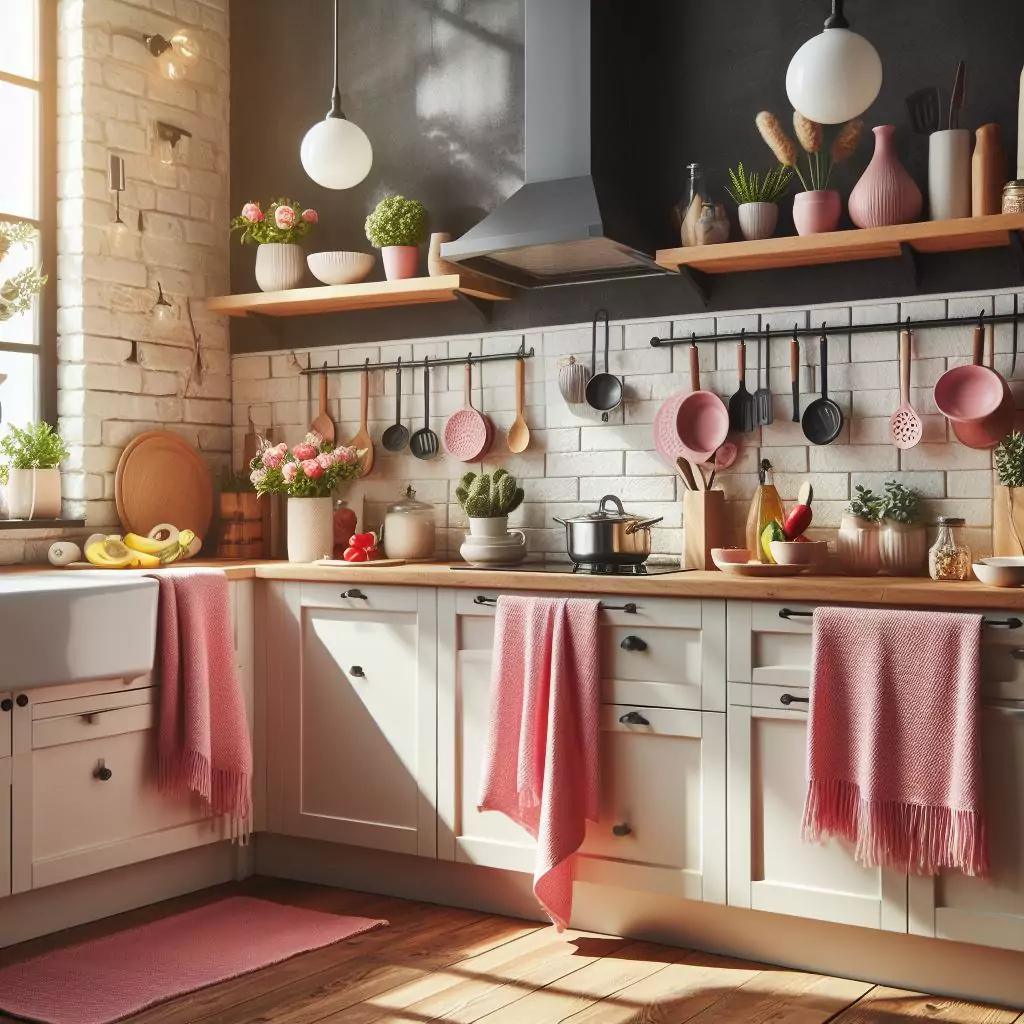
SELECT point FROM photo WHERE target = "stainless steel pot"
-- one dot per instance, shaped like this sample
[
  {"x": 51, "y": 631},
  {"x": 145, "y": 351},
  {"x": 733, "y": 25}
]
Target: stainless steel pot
[{"x": 608, "y": 537}]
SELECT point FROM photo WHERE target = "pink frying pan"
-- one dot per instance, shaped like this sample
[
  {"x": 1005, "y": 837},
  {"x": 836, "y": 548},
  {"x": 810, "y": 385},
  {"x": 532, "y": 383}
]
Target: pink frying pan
[
  {"x": 969, "y": 392},
  {"x": 989, "y": 431},
  {"x": 702, "y": 421}
]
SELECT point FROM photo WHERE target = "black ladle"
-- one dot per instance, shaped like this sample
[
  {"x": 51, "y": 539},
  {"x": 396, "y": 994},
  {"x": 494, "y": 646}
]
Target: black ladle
[
  {"x": 424, "y": 443},
  {"x": 396, "y": 437},
  {"x": 604, "y": 390},
  {"x": 823, "y": 419}
]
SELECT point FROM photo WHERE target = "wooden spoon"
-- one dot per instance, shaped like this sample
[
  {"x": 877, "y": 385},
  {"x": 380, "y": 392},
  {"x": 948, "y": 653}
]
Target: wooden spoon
[
  {"x": 363, "y": 439},
  {"x": 323, "y": 424},
  {"x": 519, "y": 432}
]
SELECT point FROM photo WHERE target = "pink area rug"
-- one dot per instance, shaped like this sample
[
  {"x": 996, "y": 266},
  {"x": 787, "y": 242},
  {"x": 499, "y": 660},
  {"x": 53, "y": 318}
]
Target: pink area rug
[{"x": 113, "y": 977}]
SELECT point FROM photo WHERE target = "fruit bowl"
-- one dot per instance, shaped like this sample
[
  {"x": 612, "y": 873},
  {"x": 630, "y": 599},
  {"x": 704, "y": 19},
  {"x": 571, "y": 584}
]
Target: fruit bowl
[
  {"x": 340, "y": 267},
  {"x": 799, "y": 552}
]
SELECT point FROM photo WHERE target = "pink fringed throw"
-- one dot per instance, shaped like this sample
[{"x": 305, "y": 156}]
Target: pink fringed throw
[
  {"x": 893, "y": 764},
  {"x": 541, "y": 766},
  {"x": 204, "y": 735}
]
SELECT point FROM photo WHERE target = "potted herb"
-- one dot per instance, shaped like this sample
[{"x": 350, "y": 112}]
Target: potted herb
[
  {"x": 901, "y": 537},
  {"x": 857, "y": 541},
  {"x": 1008, "y": 499},
  {"x": 280, "y": 263},
  {"x": 758, "y": 198},
  {"x": 487, "y": 501},
  {"x": 32, "y": 478},
  {"x": 818, "y": 208},
  {"x": 397, "y": 226}
]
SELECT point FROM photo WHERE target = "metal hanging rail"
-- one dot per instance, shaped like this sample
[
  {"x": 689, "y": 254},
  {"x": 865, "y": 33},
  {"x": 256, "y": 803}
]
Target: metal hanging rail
[{"x": 497, "y": 357}]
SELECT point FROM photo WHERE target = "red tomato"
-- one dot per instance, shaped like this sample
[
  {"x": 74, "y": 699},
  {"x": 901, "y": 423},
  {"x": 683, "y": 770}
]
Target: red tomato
[
  {"x": 355, "y": 555},
  {"x": 363, "y": 540}
]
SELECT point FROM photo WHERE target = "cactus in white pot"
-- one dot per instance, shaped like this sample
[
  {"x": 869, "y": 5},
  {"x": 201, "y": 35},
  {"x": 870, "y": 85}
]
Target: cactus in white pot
[{"x": 487, "y": 500}]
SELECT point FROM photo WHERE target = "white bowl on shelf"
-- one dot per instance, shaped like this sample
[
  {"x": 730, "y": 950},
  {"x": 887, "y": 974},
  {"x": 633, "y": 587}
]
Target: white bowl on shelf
[
  {"x": 1000, "y": 572},
  {"x": 340, "y": 267},
  {"x": 797, "y": 552}
]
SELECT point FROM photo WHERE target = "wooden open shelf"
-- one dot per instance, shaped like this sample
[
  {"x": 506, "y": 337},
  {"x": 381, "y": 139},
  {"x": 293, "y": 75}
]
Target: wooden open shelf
[
  {"x": 845, "y": 246},
  {"x": 366, "y": 295}
]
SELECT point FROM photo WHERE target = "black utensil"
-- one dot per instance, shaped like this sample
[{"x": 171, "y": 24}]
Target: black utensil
[
  {"x": 959, "y": 95},
  {"x": 924, "y": 108},
  {"x": 424, "y": 443},
  {"x": 741, "y": 405},
  {"x": 763, "y": 395},
  {"x": 794, "y": 376},
  {"x": 604, "y": 390},
  {"x": 1013, "y": 364},
  {"x": 396, "y": 437},
  {"x": 823, "y": 419}
]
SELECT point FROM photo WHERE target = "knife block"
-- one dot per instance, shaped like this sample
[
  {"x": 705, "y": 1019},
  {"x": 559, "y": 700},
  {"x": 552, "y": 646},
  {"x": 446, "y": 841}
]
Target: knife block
[{"x": 703, "y": 527}]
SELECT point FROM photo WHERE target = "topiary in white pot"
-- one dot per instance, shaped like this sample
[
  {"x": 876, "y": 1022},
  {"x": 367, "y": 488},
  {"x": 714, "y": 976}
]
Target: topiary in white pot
[
  {"x": 488, "y": 500},
  {"x": 31, "y": 472}
]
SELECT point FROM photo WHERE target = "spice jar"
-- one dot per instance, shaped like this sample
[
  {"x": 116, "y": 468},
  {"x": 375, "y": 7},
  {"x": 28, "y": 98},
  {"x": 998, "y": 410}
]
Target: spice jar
[
  {"x": 409, "y": 528},
  {"x": 949, "y": 557}
]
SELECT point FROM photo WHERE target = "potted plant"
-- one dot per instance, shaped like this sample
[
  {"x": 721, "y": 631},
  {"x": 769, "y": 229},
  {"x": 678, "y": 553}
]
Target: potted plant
[
  {"x": 818, "y": 208},
  {"x": 397, "y": 226},
  {"x": 857, "y": 541},
  {"x": 487, "y": 501},
  {"x": 308, "y": 475},
  {"x": 1008, "y": 497},
  {"x": 31, "y": 475},
  {"x": 758, "y": 197},
  {"x": 901, "y": 537},
  {"x": 280, "y": 263}
]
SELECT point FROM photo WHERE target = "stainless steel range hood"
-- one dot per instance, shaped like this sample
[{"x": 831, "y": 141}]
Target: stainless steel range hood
[{"x": 565, "y": 225}]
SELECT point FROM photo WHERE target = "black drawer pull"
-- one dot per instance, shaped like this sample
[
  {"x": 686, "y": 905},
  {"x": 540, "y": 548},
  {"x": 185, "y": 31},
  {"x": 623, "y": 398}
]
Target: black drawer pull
[
  {"x": 103, "y": 773},
  {"x": 357, "y": 671},
  {"x": 1012, "y": 623},
  {"x": 355, "y": 595},
  {"x": 788, "y": 698},
  {"x": 629, "y": 609},
  {"x": 633, "y": 643},
  {"x": 90, "y": 717},
  {"x": 621, "y": 830},
  {"x": 6, "y": 704},
  {"x": 790, "y": 613},
  {"x": 633, "y": 718},
  {"x": 21, "y": 700}
]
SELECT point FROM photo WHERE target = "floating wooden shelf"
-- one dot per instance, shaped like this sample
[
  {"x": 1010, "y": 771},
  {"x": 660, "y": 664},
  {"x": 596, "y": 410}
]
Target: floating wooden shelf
[
  {"x": 366, "y": 295},
  {"x": 845, "y": 246}
]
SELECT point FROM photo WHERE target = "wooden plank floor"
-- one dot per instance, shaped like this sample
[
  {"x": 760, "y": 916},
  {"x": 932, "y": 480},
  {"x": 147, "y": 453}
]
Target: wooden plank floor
[{"x": 456, "y": 966}]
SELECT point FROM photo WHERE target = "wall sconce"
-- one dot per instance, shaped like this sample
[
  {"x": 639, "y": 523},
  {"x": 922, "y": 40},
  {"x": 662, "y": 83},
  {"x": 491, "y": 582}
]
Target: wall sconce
[
  {"x": 175, "y": 55},
  {"x": 117, "y": 230},
  {"x": 163, "y": 311},
  {"x": 168, "y": 136}
]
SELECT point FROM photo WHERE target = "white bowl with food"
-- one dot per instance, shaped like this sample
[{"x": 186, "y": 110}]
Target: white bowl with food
[
  {"x": 799, "y": 552},
  {"x": 1000, "y": 572},
  {"x": 340, "y": 267}
]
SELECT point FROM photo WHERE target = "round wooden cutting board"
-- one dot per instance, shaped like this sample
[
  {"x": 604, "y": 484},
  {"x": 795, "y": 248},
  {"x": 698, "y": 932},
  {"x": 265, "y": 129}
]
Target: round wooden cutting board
[{"x": 161, "y": 478}]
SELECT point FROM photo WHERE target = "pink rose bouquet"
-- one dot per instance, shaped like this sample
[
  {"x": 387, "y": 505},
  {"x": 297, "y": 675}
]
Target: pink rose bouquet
[
  {"x": 285, "y": 221},
  {"x": 311, "y": 469}
]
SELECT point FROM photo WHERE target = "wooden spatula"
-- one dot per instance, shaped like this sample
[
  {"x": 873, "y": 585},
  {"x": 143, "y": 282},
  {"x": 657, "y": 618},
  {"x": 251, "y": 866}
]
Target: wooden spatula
[
  {"x": 323, "y": 424},
  {"x": 363, "y": 439}
]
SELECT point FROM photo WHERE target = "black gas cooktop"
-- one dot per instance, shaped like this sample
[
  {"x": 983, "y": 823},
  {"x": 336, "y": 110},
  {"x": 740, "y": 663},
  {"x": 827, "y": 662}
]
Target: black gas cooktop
[{"x": 569, "y": 569}]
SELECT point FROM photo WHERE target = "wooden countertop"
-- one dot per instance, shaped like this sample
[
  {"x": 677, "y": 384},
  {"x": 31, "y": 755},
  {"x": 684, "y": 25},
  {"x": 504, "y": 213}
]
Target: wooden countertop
[{"x": 901, "y": 592}]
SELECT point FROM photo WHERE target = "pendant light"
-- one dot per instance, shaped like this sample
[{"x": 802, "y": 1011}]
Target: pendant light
[
  {"x": 163, "y": 311},
  {"x": 335, "y": 152},
  {"x": 836, "y": 75},
  {"x": 176, "y": 56}
]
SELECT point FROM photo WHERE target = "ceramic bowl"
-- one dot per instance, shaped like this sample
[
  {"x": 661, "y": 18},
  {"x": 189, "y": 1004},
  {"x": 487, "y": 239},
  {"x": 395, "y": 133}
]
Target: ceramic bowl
[
  {"x": 799, "y": 552},
  {"x": 340, "y": 267},
  {"x": 1000, "y": 572},
  {"x": 731, "y": 556}
]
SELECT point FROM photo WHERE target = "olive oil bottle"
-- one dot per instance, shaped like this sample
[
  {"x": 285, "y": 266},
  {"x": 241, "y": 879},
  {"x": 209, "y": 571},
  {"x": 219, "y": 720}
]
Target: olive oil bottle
[{"x": 765, "y": 506}]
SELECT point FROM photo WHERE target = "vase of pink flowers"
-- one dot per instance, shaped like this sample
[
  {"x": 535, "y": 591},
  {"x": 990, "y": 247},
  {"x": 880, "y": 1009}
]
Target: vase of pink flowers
[
  {"x": 308, "y": 474},
  {"x": 280, "y": 262}
]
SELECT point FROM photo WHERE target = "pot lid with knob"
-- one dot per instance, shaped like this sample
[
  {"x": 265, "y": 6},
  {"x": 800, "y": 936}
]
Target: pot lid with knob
[{"x": 604, "y": 515}]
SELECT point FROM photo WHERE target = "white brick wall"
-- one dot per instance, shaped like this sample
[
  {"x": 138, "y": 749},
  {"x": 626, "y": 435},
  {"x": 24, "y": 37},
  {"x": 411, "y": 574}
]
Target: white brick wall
[{"x": 574, "y": 458}]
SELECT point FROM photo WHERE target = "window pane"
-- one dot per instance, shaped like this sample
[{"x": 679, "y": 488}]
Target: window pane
[
  {"x": 18, "y": 392},
  {"x": 19, "y": 46},
  {"x": 22, "y": 328},
  {"x": 20, "y": 160}
]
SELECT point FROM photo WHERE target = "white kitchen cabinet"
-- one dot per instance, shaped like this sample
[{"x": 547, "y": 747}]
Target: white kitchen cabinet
[
  {"x": 5, "y": 826},
  {"x": 352, "y": 714},
  {"x": 988, "y": 911}
]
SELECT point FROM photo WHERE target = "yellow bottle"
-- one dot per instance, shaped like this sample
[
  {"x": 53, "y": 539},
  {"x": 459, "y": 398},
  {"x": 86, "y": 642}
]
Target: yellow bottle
[{"x": 765, "y": 506}]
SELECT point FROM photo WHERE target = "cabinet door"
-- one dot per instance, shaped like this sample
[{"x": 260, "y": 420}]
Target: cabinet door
[
  {"x": 5, "y": 826},
  {"x": 6, "y": 702},
  {"x": 769, "y": 866},
  {"x": 988, "y": 911},
  {"x": 355, "y": 699}
]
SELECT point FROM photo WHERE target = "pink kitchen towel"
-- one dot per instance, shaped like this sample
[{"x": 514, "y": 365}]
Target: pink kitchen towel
[
  {"x": 893, "y": 763},
  {"x": 541, "y": 765},
  {"x": 203, "y": 739}
]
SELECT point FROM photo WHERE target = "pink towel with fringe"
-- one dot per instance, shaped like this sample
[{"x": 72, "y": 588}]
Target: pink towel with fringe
[
  {"x": 541, "y": 766},
  {"x": 893, "y": 763},
  {"x": 203, "y": 740}
]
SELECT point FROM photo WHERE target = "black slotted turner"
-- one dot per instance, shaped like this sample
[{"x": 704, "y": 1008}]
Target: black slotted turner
[
  {"x": 763, "y": 395},
  {"x": 741, "y": 405}
]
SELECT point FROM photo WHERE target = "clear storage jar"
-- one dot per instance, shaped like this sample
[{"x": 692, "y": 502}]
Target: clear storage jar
[
  {"x": 949, "y": 557},
  {"x": 409, "y": 528}
]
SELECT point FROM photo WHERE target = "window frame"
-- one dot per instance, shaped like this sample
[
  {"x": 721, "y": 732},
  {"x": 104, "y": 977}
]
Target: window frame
[{"x": 45, "y": 344}]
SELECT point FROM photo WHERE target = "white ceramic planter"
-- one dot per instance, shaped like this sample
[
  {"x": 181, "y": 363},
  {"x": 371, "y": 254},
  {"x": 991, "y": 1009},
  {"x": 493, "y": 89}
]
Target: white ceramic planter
[
  {"x": 490, "y": 543},
  {"x": 758, "y": 220},
  {"x": 310, "y": 529},
  {"x": 949, "y": 174},
  {"x": 279, "y": 266},
  {"x": 33, "y": 494},
  {"x": 858, "y": 547},
  {"x": 903, "y": 548}
]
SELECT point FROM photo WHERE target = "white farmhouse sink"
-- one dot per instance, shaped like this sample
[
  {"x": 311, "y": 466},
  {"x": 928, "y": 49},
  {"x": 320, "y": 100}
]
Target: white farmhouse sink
[{"x": 70, "y": 627}]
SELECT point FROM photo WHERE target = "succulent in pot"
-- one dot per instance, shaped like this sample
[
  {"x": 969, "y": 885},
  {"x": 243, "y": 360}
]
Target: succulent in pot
[
  {"x": 30, "y": 473},
  {"x": 902, "y": 541},
  {"x": 757, "y": 198},
  {"x": 857, "y": 541},
  {"x": 397, "y": 226},
  {"x": 488, "y": 499}
]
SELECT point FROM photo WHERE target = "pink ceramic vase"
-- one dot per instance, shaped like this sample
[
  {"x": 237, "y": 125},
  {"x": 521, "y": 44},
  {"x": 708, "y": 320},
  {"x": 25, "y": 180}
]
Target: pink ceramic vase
[
  {"x": 817, "y": 211},
  {"x": 886, "y": 193},
  {"x": 400, "y": 261}
]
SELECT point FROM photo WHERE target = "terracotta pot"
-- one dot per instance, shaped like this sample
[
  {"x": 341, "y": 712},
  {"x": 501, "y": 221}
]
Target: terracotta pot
[
  {"x": 903, "y": 548},
  {"x": 858, "y": 547},
  {"x": 279, "y": 266},
  {"x": 758, "y": 220},
  {"x": 886, "y": 193},
  {"x": 400, "y": 261},
  {"x": 817, "y": 212}
]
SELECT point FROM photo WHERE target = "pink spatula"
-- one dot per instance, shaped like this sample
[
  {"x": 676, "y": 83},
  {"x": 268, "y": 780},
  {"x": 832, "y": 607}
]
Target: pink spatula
[{"x": 904, "y": 424}]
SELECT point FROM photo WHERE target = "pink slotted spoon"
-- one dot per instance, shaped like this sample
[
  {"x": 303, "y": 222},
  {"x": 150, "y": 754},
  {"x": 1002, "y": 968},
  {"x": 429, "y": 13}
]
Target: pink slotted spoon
[
  {"x": 905, "y": 425},
  {"x": 467, "y": 434}
]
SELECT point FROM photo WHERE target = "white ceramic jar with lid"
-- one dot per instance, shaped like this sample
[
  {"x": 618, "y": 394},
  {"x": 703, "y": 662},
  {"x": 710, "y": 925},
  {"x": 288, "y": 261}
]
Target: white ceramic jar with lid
[{"x": 409, "y": 528}]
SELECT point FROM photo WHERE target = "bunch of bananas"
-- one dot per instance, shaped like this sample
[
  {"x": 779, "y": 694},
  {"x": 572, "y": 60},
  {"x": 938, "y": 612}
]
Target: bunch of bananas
[{"x": 163, "y": 545}]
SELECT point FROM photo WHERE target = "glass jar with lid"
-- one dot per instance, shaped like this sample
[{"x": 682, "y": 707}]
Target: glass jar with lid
[
  {"x": 949, "y": 557},
  {"x": 409, "y": 528}
]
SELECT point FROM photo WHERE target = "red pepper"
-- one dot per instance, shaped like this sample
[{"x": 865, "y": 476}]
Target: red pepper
[
  {"x": 372, "y": 554},
  {"x": 354, "y": 554},
  {"x": 363, "y": 540},
  {"x": 797, "y": 521}
]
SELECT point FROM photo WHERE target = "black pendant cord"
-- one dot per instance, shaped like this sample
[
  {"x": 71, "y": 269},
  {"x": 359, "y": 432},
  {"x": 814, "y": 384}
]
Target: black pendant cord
[
  {"x": 836, "y": 20},
  {"x": 496, "y": 357},
  {"x": 336, "y": 110}
]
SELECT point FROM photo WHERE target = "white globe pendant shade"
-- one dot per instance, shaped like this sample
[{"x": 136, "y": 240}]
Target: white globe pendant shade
[
  {"x": 336, "y": 153},
  {"x": 834, "y": 77}
]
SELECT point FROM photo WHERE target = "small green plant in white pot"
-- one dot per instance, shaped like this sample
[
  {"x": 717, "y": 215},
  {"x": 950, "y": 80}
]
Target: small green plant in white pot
[
  {"x": 857, "y": 540},
  {"x": 487, "y": 500},
  {"x": 31, "y": 472},
  {"x": 757, "y": 198},
  {"x": 902, "y": 541},
  {"x": 397, "y": 227}
]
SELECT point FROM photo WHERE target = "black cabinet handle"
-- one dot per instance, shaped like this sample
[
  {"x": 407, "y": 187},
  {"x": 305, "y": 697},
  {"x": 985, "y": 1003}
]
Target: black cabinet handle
[
  {"x": 103, "y": 773},
  {"x": 354, "y": 595},
  {"x": 357, "y": 671},
  {"x": 21, "y": 700},
  {"x": 6, "y": 704},
  {"x": 621, "y": 830},
  {"x": 633, "y": 718},
  {"x": 633, "y": 643},
  {"x": 788, "y": 698},
  {"x": 791, "y": 613}
]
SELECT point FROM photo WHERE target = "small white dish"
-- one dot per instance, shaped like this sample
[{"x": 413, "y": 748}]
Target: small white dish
[
  {"x": 1000, "y": 572},
  {"x": 763, "y": 569},
  {"x": 340, "y": 267}
]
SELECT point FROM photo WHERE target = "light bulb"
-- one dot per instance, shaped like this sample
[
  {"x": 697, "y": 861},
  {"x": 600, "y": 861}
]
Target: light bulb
[
  {"x": 163, "y": 311},
  {"x": 834, "y": 77},
  {"x": 165, "y": 151},
  {"x": 336, "y": 153},
  {"x": 178, "y": 55},
  {"x": 117, "y": 234}
]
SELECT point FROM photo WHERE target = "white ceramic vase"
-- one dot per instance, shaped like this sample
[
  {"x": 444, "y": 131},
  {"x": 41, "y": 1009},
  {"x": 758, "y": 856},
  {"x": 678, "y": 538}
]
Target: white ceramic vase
[
  {"x": 33, "y": 494},
  {"x": 310, "y": 529},
  {"x": 279, "y": 266},
  {"x": 758, "y": 220},
  {"x": 949, "y": 174},
  {"x": 858, "y": 547},
  {"x": 903, "y": 548},
  {"x": 490, "y": 543}
]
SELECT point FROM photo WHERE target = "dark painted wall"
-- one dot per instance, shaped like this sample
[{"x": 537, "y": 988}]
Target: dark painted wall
[{"x": 438, "y": 87}]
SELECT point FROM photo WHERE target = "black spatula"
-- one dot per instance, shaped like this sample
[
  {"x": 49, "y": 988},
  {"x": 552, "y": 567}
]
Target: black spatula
[
  {"x": 924, "y": 108},
  {"x": 741, "y": 405},
  {"x": 763, "y": 395}
]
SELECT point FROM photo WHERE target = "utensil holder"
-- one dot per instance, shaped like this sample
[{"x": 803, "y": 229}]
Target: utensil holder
[
  {"x": 949, "y": 174},
  {"x": 703, "y": 527}
]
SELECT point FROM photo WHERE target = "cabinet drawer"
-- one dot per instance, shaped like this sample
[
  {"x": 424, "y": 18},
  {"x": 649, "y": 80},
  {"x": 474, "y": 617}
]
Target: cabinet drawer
[
  {"x": 93, "y": 724},
  {"x": 360, "y": 597},
  {"x": 1002, "y": 660}
]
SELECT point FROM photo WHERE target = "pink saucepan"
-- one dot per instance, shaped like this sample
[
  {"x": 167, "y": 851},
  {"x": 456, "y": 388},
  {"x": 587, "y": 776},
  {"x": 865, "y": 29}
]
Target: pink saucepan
[
  {"x": 990, "y": 430},
  {"x": 969, "y": 392},
  {"x": 702, "y": 422}
]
